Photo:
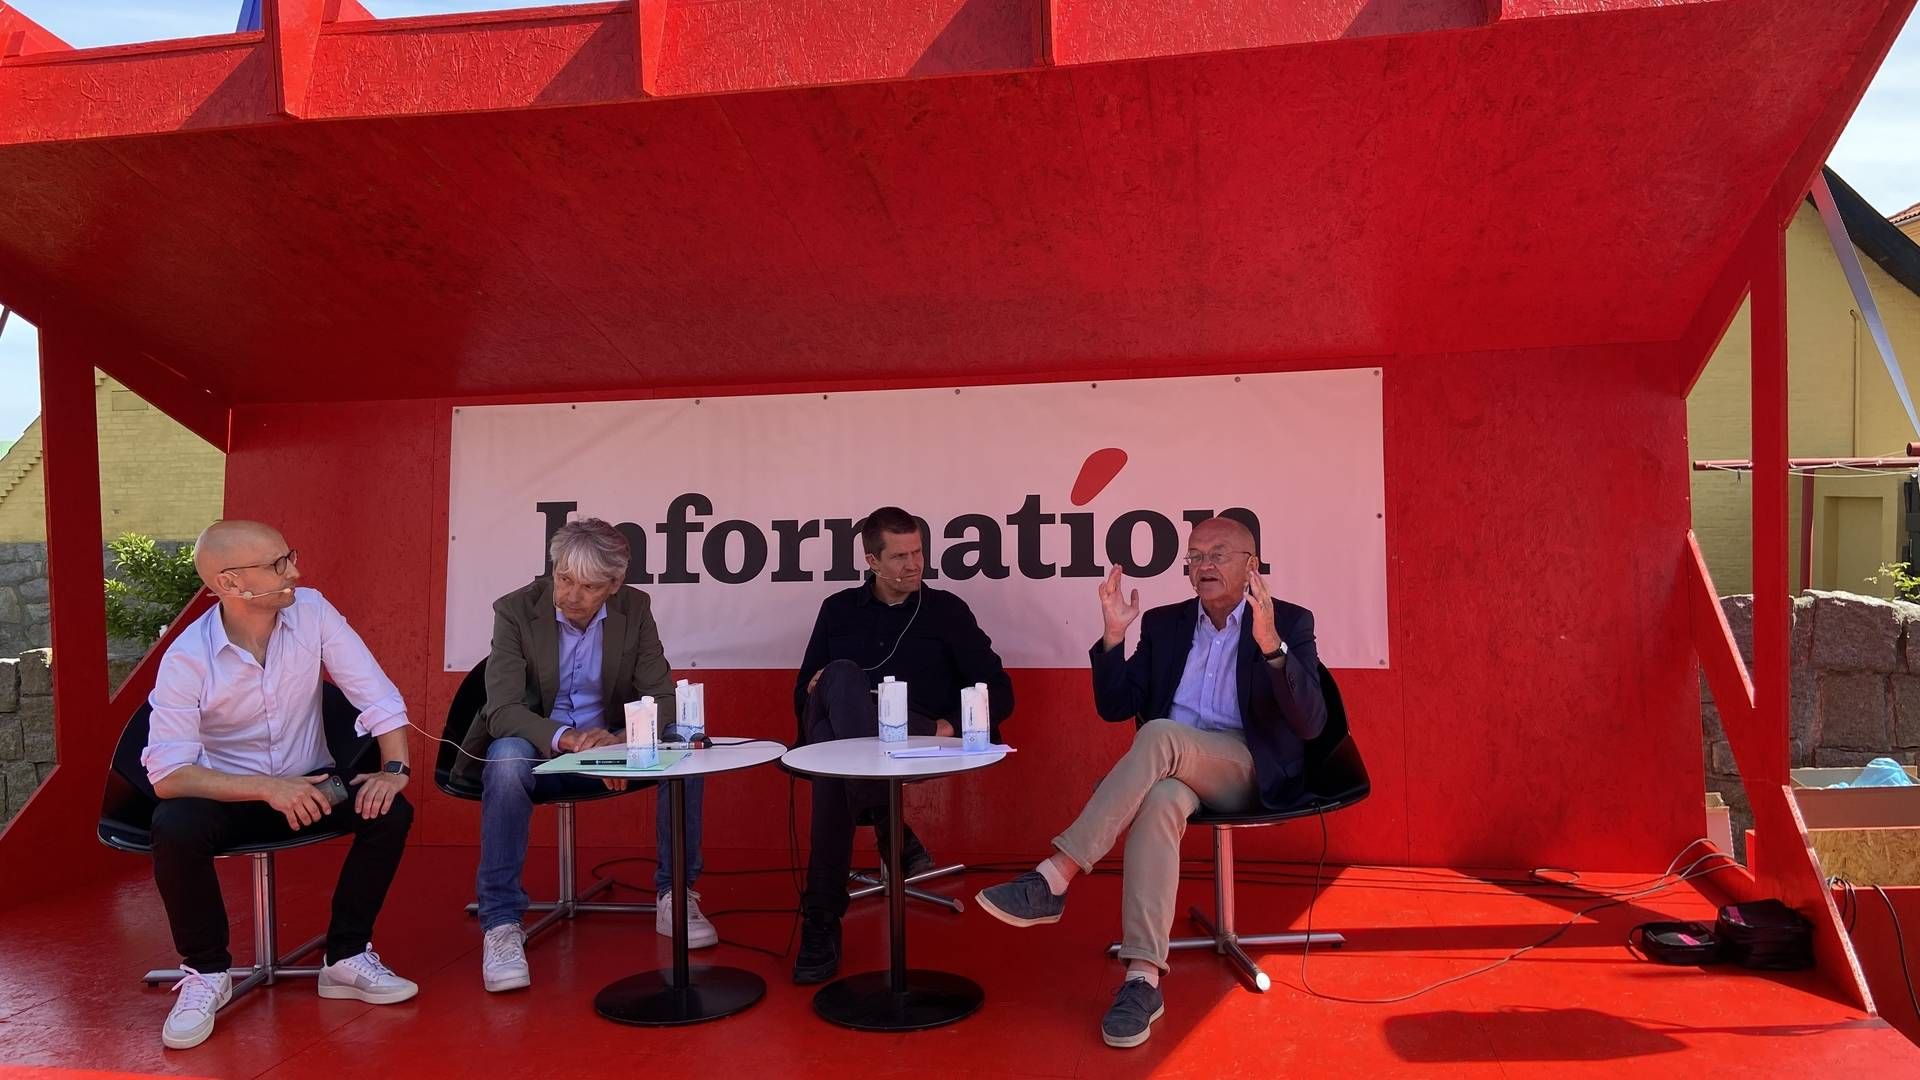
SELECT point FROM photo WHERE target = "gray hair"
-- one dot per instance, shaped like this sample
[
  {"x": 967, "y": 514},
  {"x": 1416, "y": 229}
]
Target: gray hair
[{"x": 590, "y": 549}]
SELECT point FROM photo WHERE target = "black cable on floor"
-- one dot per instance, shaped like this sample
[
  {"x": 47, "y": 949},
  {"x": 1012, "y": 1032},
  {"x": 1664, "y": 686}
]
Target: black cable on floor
[{"x": 1900, "y": 946}]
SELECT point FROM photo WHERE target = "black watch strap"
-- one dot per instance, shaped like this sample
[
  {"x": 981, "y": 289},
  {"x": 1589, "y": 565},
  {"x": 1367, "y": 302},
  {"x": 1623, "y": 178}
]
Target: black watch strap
[
  {"x": 1275, "y": 654},
  {"x": 397, "y": 767}
]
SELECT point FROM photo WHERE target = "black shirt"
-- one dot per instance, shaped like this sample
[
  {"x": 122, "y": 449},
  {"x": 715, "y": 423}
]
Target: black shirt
[{"x": 940, "y": 648}]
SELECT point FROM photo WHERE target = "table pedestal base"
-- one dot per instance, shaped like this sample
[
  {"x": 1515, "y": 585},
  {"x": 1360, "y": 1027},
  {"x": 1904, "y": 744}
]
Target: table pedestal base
[
  {"x": 649, "y": 1000},
  {"x": 866, "y": 1002}
]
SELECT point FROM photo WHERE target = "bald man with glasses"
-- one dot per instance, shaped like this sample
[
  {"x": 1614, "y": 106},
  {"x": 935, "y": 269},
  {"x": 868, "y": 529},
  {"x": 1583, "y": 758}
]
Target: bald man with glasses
[{"x": 1225, "y": 690}]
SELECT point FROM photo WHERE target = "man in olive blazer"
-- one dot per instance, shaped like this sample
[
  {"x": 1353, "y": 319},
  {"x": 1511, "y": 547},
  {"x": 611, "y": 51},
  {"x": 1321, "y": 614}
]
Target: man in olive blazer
[{"x": 569, "y": 652}]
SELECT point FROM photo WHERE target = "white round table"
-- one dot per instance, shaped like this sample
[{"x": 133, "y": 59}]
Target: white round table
[
  {"x": 897, "y": 999},
  {"x": 686, "y": 995}
]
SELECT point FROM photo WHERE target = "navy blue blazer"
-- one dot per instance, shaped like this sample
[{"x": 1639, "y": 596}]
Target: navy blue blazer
[{"x": 1281, "y": 706}]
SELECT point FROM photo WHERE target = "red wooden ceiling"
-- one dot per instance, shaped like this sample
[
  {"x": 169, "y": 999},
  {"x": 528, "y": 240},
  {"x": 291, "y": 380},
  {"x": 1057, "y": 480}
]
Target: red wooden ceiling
[{"x": 1402, "y": 177}]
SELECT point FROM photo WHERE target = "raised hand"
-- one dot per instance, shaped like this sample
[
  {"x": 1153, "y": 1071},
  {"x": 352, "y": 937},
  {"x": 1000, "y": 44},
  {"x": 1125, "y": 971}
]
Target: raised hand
[
  {"x": 1260, "y": 603},
  {"x": 1116, "y": 611}
]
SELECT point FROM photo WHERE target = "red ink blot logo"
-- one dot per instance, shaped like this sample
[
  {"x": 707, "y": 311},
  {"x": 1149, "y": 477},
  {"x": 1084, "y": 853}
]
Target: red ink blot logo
[{"x": 1096, "y": 473}]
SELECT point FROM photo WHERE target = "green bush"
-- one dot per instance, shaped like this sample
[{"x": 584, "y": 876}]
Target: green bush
[
  {"x": 154, "y": 584},
  {"x": 1899, "y": 575}
]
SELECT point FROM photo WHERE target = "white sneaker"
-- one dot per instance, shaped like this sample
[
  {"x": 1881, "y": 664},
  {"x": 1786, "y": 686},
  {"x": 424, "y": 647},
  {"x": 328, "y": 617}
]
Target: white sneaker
[
  {"x": 191, "y": 1020},
  {"x": 503, "y": 959},
  {"x": 700, "y": 932},
  {"x": 364, "y": 978}
]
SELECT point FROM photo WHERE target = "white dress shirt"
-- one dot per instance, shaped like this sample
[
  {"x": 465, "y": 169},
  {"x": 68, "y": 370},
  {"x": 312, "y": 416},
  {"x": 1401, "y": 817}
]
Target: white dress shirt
[{"x": 215, "y": 706}]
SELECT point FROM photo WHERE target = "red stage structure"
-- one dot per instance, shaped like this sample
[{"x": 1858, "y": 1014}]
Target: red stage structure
[{"x": 1537, "y": 217}]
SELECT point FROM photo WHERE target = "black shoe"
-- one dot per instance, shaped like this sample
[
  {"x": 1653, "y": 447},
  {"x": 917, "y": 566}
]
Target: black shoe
[
  {"x": 1129, "y": 1020},
  {"x": 819, "y": 958},
  {"x": 914, "y": 859}
]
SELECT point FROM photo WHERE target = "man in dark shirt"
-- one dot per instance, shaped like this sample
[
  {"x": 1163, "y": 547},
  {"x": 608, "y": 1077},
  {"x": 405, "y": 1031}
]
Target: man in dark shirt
[{"x": 894, "y": 625}]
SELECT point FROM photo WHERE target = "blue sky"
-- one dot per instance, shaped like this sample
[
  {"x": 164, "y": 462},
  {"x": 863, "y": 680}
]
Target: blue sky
[{"x": 1879, "y": 153}]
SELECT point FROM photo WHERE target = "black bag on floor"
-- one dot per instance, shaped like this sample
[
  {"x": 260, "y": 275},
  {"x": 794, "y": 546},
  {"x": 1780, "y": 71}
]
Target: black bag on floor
[{"x": 1765, "y": 934}]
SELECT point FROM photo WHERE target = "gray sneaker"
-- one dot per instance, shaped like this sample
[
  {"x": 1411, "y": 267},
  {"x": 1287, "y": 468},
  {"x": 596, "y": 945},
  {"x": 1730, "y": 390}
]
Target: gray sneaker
[
  {"x": 1129, "y": 1020},
  {"x": 1024, "y": 901}
]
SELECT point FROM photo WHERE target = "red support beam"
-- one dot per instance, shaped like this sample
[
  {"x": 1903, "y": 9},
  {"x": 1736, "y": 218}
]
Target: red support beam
[
  {"x": 1796, "y": 179},
  {"x": 56, "y": 828},
  {"x": 21, "y": 36},
  {"x": 1771, "y": 599},
  {"x": 1806, "y": 532},
  {"x": 1781, "y": 862},
  {"x": 293, "y": 35}
]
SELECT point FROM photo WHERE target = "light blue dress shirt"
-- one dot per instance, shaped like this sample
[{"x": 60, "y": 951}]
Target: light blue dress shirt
[
  {"x": 576, "y": 700},
  {"x": 1209, "y": 695}
]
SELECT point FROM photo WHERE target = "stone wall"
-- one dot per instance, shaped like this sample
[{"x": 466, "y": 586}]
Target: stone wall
[
  {"x": 26, "y": 727},
  {"x": 23, "y": 597},
  {"x": 26, "y": 723},
  {"x": 1855, "y": 688}
]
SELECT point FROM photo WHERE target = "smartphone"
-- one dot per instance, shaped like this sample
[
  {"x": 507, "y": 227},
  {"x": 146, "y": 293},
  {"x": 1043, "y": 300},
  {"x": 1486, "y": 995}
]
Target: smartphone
[{"x": 334, "y": 789}]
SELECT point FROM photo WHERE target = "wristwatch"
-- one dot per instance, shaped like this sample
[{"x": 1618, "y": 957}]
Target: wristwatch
[
  {"x": 1275, "y": 654},
  {"x": 397, "y": 767}
]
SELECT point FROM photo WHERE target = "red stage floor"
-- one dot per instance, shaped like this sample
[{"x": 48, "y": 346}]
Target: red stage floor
[{"x": 70, "y": 998}]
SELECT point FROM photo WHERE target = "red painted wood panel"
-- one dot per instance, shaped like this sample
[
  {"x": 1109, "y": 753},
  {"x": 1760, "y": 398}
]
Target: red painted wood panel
[
  {"x": 1054, "y": 221},
  {"x": 552, "y": 56},
  {"x": 717, "y": 46},
  {"x": 1550, "y": 704},
  {"x": 212, "y": 82},
  {"x": 1090, "y": 31}
]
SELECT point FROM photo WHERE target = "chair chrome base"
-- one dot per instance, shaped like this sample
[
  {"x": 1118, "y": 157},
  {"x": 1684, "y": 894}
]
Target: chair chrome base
[
  {"x": 870, "y": 885},
  {"x": 269, "y": 964},
  {"x": 570, "y": 903},
  {"x": 1221, "y": 936}
]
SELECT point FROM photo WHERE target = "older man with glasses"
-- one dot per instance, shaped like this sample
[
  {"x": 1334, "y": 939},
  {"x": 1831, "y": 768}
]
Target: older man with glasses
[
  {"x": 569, "y": 651},
  {"x": 1226, "y": 693}
]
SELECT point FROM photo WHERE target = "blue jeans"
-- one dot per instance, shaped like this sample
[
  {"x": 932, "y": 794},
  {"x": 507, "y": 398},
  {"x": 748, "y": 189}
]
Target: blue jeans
[{"x": 508, "y": 786}]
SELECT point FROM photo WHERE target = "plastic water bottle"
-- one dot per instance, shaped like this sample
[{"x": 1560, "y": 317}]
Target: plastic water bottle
[
  {"x": 976, "y": 733},
  {"x": 643, "y": 734},
  {"x": 893, "y": 711},
  {"x": 690, "y": 707}
]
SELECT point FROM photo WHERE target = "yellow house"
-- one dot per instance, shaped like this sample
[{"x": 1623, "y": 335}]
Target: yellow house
[
  {"x": 1909, "y": 221},
  {"x": 156, "y": 477},
  {"x": 1841, "y": 403}
]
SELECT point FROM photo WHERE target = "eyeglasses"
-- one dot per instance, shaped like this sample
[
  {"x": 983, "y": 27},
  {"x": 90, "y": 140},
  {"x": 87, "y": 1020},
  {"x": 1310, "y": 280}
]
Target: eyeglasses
[
  {"x": 279, "y": 566},
  {"x": 1197, "y": 559}
]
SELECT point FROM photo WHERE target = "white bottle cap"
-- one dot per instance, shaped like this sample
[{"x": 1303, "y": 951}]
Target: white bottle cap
[{"x": 887, "y": 679}]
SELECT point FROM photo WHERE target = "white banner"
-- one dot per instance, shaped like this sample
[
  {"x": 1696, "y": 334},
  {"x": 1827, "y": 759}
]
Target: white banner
[{"x": 742, "y": 509}]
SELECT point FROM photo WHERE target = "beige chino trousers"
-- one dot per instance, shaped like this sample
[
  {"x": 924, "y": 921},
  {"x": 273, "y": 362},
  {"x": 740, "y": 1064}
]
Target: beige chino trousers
[{"x": 1171, "y": 771}]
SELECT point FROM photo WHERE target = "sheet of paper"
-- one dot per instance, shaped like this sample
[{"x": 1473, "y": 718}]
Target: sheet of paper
[
  {"x": 946, "y": 751},
  {"x": 616, "y": 757}
]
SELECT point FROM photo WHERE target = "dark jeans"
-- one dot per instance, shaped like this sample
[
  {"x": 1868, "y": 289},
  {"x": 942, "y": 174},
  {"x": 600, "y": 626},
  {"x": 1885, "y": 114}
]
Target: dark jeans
[
  {"x": 843, "y": 706},
  {"x": 187, "y": 833}
]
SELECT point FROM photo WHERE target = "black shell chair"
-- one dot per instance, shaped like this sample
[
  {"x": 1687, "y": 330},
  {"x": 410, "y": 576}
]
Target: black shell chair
[
  {"x": 1336, "y": 779},
  {"x": 570, "y": 901},
  {"x": 126, "y": 823}
]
